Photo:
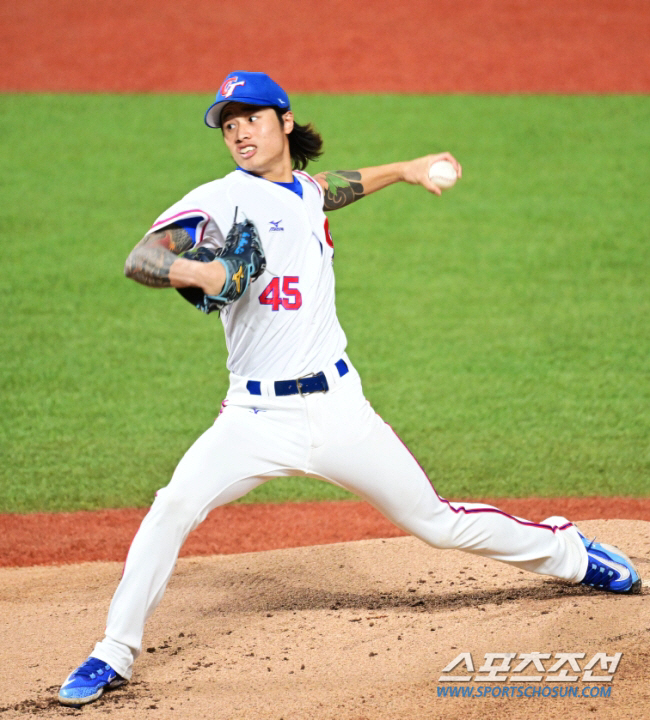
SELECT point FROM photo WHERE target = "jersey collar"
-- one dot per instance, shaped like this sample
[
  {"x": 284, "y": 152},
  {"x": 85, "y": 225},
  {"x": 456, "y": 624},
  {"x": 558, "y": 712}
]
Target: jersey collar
[{"x": 295, "y": 186}]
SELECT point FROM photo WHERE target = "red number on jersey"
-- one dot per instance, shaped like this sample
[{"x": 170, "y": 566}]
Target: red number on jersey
[
  {"x": 328, "y": 234},
  {"x": 294, "y": 299},
  {"x": 272, "y": 296}
]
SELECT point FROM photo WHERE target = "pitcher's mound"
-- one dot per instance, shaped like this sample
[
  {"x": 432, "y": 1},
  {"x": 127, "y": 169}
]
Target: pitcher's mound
[{"x": 353, "y": 631}]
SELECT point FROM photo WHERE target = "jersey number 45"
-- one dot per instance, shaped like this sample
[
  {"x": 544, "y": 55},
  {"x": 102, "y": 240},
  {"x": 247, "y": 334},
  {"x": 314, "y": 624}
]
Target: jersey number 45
[{"x": 290, "y": 297}]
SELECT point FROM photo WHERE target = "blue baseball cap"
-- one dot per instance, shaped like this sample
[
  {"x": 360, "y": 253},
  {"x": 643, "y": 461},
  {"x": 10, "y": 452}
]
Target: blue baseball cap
[{"x": 252, "y": 88}]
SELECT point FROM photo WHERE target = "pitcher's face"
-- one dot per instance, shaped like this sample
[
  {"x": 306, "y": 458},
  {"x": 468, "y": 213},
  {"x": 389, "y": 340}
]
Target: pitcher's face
[{"x": 257, "y": 140}]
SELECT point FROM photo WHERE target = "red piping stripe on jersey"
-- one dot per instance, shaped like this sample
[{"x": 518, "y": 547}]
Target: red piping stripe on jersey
[
  {"x": 468, "y": 511},
  {"x": 186, "y": 213}
]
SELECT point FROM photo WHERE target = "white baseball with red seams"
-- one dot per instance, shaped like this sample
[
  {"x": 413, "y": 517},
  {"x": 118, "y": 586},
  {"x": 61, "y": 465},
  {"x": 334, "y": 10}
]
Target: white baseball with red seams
[
  {"x": 284, "y": 327},
  {"x": 443, "y": 174}
]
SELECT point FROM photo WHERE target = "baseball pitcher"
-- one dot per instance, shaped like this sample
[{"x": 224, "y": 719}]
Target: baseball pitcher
[{"x": 255, "y": 246}]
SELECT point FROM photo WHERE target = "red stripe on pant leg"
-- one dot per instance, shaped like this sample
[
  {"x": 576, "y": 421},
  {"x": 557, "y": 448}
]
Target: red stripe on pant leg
[{"x": 486, "y": 509}]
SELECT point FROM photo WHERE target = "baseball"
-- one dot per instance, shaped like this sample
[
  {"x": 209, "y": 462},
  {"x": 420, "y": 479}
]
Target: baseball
[{"x": 443, "y": 174}]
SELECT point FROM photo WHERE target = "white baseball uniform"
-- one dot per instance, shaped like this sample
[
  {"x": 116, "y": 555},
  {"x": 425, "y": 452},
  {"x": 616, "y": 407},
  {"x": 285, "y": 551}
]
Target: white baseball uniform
[{"x": 284, "y": 328}]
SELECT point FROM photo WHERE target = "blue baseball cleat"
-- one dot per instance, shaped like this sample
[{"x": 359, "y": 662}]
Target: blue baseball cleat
[
  {"x": 88, "y": 682},
  {"x": 610, "y": 569}
]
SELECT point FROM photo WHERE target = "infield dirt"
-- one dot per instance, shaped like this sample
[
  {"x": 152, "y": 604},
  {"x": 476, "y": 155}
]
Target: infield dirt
[{"x": 351, "y": 631}]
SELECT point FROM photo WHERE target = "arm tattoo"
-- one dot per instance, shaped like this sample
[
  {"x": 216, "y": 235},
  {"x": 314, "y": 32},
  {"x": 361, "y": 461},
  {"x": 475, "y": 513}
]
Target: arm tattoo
[
  {"x": 343, "y": 188},
  {"x": 151, "y": 258}
]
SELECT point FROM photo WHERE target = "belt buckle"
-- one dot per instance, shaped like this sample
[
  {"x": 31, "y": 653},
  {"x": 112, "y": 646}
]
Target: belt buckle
[
  {"x": 299, "y": 385},
  {"x": 311, "y": 392}
]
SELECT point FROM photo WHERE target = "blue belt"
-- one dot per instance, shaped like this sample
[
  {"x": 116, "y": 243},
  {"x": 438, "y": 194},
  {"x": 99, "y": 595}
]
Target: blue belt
[{"x": 301, "y": 386}]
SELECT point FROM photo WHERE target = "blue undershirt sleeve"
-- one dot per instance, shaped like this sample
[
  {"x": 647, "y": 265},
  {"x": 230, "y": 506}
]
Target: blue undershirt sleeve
[{"x": 189, "y": 225}]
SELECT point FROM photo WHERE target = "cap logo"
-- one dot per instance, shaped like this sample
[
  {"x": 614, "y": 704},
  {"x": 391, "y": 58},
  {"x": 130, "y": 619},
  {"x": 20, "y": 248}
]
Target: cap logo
[{"x": 228, "y": 88}]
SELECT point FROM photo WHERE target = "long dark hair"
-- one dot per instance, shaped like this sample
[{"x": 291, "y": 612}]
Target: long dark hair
[{"x": 305, "y": 143}]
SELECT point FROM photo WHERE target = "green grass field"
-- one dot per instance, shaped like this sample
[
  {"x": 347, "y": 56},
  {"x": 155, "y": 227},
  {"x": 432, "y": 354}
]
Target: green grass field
[{"x": 503, "y": 330}]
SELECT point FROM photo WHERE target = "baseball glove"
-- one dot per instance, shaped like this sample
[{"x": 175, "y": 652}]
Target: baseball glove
[{"x": 243, "y": 259}]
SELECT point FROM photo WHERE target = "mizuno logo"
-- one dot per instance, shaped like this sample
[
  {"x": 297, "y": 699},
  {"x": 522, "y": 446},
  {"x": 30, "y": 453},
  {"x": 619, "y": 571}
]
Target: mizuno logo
[
  {"x": 275, "y": 226},
  {"x": 237, "y": 277}
]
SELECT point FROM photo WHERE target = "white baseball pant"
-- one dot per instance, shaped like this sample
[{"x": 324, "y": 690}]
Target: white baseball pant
[{"x": 334, "y": 436}]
